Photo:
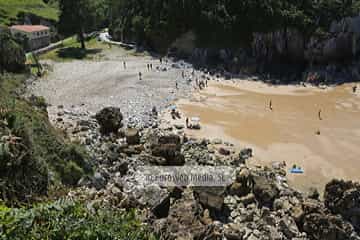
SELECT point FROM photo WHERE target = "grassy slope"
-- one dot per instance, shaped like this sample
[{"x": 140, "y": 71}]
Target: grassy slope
[
  {"x": 70, "y": 50},
  {"x": 50, "y": 155},
  {"x": 9, "y": 9}
]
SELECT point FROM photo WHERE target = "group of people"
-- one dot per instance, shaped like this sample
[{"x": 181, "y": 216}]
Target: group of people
[
  {"x": 149, "y": 66},
  {"x": 199, "y": 84}
]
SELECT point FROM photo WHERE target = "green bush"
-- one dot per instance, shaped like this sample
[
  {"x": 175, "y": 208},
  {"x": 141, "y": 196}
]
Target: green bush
[
  {"x": 40, "y": 157},
  {"x": 12, "y": 55},
  {"x": 71, "y": 221},
  {"x": 71, "y": 173},
  {"x": 38, "y": 102},
  {"x": 221, "y": 22}
]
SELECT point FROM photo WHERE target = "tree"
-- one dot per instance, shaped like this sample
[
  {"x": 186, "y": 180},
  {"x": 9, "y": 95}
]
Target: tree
[
  {"x": 12, "y": 55},
  {"x": 75, "y": 17}
]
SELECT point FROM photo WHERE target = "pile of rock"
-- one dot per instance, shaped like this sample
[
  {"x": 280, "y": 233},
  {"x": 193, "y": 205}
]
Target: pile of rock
[{"x": 258, "y": 204}]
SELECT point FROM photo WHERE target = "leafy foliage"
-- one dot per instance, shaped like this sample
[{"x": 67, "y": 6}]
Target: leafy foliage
[
  {"x": 159, "y": 22},
  {"x": 70, "y": 220},
  {"x": 11, "y": 9},
  {"x": 33, "y": 156},
  {"x": 12, "y": 55},
  {"x": 78, "y": 17}
]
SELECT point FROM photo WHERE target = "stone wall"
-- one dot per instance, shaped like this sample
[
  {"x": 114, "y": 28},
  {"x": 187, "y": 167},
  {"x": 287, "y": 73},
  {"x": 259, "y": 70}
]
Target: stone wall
[{"x": 39, "y": 43}]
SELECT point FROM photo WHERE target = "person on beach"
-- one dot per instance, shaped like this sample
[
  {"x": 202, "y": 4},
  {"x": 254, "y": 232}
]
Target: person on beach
[
  {"x": 148, "y": 67},
  {"x": 354, "y": 89},
  {"x": 206, "y": 83},
  {"x": 176, "y": 85},
  {"x": 187, "y": 122},
  {"x": 140, "y": 76},
  {"x": 270, "y": 105},
  {"x": 124, "y": 64},
  {"x": 154, "y": 112},
  {"x": 319, "y": 114}
]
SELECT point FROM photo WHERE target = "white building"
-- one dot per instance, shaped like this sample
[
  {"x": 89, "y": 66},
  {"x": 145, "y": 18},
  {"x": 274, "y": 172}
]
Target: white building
[{"x": 38, "y": 35}]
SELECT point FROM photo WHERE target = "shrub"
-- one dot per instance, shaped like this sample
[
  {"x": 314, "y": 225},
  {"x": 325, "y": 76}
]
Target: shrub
[
  {"x": 69, "y": 220},
  {"x": 40, "y": 157},
  {"x": 12, "y": 55},
  {"x": 71, "y": 173}
]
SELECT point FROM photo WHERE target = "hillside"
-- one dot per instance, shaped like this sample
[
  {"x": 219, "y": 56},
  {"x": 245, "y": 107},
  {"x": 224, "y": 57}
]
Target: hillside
[{"x": 9, "y": 10}]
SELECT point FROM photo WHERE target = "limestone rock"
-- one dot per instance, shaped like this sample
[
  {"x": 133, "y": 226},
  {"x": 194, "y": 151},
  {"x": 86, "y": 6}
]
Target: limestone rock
[
  {"x": 132, "y": 136},
  {"x": 109, "y": 120},
  {"x": 343, "y": 197},
  {"x": 265, "y": 190}
]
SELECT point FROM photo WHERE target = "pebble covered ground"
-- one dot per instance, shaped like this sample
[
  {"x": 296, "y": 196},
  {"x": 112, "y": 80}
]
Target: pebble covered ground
[{"x": 92, "y": 85}]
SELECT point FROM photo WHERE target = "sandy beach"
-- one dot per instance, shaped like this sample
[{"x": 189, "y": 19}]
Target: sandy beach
[
  {"x": 240, "y": 113},
  {"x": 237, "y": 111}
]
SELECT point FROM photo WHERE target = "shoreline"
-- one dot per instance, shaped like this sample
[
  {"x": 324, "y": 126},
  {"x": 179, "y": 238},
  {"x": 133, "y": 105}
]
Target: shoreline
[
  {"x": 237, "y": 100},
  {"x": 226, "y": 103}
]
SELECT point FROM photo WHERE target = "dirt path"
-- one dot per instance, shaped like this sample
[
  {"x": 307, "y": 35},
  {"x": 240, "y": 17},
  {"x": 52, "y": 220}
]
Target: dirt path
[{"x": 240, "y": 113}]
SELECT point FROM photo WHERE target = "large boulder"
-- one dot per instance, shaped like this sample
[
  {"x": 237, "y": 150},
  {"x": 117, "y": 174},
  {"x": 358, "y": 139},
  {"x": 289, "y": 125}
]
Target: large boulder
[
  {"x": 243, "y": 184},
  {"x": 265, "y": 190},
  {"x": 155, "y": 198},
  {"x": 288, "y": 226},
  {"x": 184, "y": 220},
  {"x": 343, "y": 197},
  {"x": 169, "y": 148},
  {"x": 109, "y": 120},
  {"x": 170, "y": 139},
  {"x": 132, "y": 136},
  {"x": 224, "y": 151},
  {"x": 212, "y": 198},
  {"x": 330, "y": 227},
  {"x": 320, "y": 224}
]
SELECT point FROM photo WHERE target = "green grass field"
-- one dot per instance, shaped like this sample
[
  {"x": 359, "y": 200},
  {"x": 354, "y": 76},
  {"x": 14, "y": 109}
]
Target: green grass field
[
  {"x": 70, "y": 50},
  {"x": 9, "y": 9}
]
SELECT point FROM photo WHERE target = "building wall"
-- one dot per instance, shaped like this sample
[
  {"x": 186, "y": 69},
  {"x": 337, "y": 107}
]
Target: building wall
[
  {"x": 39, "y": 42},
  {"x": 37, "y": 39}
]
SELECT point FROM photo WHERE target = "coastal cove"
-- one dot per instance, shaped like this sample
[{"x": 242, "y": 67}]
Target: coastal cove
[{"x": 292, "y": 131}]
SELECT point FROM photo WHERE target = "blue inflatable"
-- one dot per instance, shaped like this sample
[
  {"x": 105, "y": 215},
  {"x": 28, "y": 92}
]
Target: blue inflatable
[{"x": 296, "y": 171}]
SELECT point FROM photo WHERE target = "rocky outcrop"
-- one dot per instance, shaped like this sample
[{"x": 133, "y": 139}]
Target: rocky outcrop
[
  {"x": 284, "y": 44},
  {"x": 319, "y": 223},
  {"x": 132, "y": 136},
  {"x": 265, "y": 190},
  {"x": 340, "y": 42},
  {"x": 343, "y": 197},
  {"x": 212, "y": 198},
  {"x": 169, "y": 148},
  {"x": 184, "y": 220},
  {"x": 109, "y": 120}
]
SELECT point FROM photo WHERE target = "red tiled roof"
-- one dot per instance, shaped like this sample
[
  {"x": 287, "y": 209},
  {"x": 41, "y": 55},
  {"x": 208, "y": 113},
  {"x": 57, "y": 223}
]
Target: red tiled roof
[{"x": 30, "y": 28}]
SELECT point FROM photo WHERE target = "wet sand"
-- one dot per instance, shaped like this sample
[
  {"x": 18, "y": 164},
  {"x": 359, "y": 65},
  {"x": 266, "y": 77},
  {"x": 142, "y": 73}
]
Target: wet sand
[{"x": 240, "y": 113}]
